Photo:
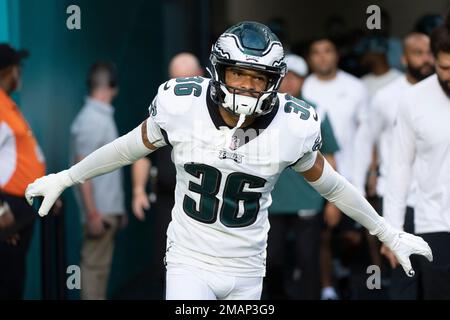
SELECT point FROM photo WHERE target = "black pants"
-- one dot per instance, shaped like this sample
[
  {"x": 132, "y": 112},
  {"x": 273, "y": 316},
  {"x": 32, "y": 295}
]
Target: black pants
[
  {"x": 13, "y": 258},
  {"x": 434, "y": 277},
  {"x": 403, "y": 287},
  {"x": 284, "y": 256},
  {"x": 432, "y": 280}
]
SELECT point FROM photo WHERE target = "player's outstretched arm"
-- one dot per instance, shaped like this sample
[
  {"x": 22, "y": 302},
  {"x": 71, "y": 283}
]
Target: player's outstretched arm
[
  {"x": 120, "y": 152},
  {"x": 338, "y": 190}
]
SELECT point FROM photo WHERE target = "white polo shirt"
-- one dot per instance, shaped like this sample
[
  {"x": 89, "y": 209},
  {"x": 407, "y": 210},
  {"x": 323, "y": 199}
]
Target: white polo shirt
[
  {"x": 344, "y": 99},
  {"x": 422, "y": 138}
]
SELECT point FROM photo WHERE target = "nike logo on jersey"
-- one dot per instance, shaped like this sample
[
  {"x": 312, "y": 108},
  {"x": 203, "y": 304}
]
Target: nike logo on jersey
[
  {"x": 234, "y": 143},
  {"x": 166, "y": 86},
  {"x": 315, "y": 116}
]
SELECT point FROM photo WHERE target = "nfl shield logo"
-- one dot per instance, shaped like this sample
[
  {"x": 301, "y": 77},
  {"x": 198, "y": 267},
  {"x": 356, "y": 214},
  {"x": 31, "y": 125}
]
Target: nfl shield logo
[{"x": 234, "y": 143}]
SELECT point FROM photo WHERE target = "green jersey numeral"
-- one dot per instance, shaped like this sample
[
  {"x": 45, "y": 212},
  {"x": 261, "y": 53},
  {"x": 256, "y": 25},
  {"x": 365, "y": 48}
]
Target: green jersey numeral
[
  {"x": 187, "y": 86},
  {"x": 233, "y": 196},
  {"x": 297, "y": 106}
]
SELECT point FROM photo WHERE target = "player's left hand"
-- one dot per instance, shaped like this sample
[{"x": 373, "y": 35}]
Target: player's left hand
[{"x": 402, "y": 245}]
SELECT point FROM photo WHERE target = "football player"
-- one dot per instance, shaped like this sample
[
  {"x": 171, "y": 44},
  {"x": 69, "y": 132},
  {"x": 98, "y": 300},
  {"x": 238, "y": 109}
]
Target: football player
[{"x": 232, "y": 136}]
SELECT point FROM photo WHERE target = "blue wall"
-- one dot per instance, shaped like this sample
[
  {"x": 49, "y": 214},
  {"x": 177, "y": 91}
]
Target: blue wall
[
  {"x": 54, "y": 89},
  {"x": 4, "y": 21},
  {"x": 140, "y": 36}
]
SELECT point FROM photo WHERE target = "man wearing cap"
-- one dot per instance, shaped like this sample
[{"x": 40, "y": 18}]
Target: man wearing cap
[
  {"x": 294, "y": 215},
  {"x": 21, "y": 162}
]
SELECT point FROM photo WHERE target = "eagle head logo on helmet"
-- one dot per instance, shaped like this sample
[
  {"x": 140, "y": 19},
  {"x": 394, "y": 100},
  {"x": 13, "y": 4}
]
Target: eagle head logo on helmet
[{"x": 253, "y": 46}]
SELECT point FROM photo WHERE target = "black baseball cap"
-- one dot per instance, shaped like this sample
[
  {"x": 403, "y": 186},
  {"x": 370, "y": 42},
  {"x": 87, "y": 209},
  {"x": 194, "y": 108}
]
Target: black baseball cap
[{"x": 9, "y": 56}]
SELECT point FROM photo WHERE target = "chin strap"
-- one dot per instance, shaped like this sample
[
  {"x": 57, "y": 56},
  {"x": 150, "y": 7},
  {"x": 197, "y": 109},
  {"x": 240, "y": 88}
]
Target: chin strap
[{"x": 229, "y": 140}]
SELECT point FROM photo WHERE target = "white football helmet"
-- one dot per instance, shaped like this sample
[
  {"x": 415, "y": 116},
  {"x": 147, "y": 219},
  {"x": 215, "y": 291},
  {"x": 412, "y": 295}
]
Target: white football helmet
[{"x": 248, "y": 45}]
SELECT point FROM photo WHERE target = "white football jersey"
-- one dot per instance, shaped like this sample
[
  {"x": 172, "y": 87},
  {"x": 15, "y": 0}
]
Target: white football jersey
[{"x": 224, "y": 177}]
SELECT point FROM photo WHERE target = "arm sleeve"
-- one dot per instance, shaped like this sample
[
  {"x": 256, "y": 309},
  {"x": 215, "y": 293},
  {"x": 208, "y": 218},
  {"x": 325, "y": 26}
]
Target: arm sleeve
[
  {"x": 126, "y": 149},
  {"x": 400, "y": 167},
  {"x": 120, "y": 152},
  {"x": 87, "y": 137},
  {"x": 336, "y": 189},
  {"x": 366, "y": 136}
]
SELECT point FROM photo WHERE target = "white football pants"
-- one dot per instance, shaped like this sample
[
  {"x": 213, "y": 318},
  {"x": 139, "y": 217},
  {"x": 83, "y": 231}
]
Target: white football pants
[{"x": 185, "y": 282}]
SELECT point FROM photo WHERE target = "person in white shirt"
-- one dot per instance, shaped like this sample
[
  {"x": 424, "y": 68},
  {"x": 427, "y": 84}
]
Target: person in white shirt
[
  {"x": 344, "y": 99},
  {"x": 373, "y": 51},
  {"x": 421, "y": 140},
  {"x": 339, "y": 94},
  {"x": 377, "y": 129}
]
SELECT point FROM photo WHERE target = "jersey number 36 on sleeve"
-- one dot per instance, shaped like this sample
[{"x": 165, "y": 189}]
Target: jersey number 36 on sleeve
[
  {"x": 187, "y": 86},
  {"x": 233, "y": 194},
  {"x": 298, "y": 107}
]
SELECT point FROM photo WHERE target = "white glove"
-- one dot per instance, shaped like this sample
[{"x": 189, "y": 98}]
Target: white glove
[
  {"x": 403, "y": 244},
  {"x": 50, "y": 187}
]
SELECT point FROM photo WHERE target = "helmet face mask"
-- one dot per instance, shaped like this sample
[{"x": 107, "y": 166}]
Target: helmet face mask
[{"x": 248, "y": 46}]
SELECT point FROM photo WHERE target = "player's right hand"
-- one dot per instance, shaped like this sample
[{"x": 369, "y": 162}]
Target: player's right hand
[{"x": 50, "y": 188}]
